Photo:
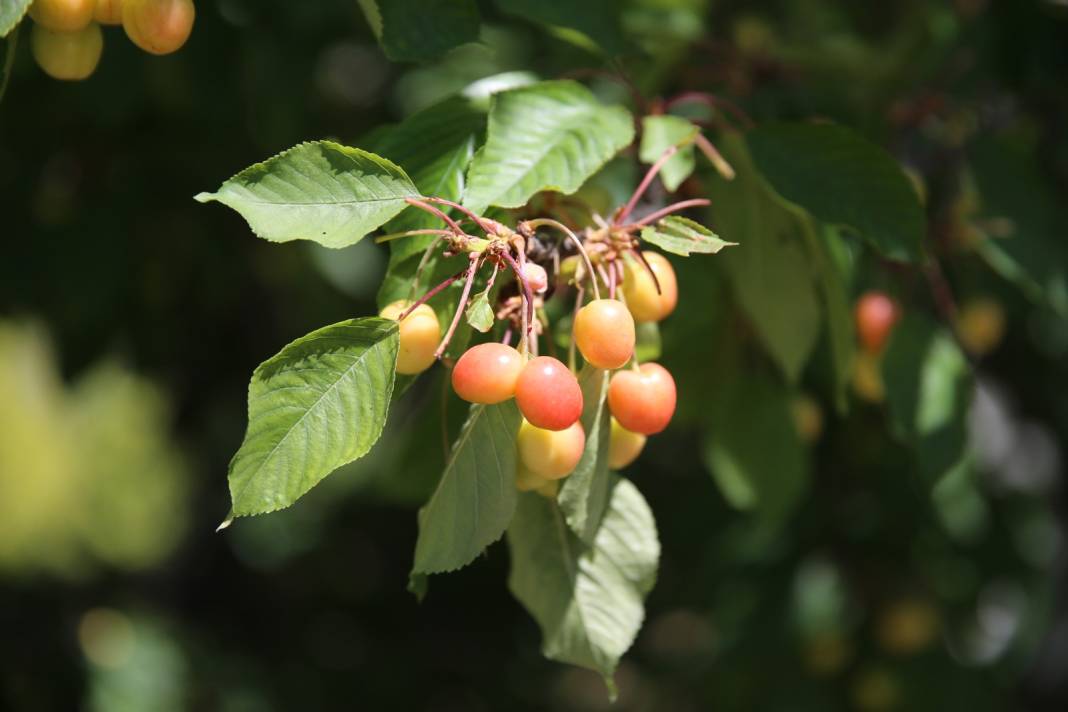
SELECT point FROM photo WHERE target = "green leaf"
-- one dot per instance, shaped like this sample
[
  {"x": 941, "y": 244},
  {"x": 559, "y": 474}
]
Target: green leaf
[
  {"x": 838, "y": 311},
  {"x": 587, "y": 599},
  {"x": 321, "y": 191},
  {"x": 475, "y": 499},
  {"x": 320, "y": 403},
  {"x": 682, "y": 236},
  {"x": 11, "y": 14},
  {"x": 547, "y": 136},
  {"x": 584, "y": 494},
  {"x": 596, "y": 20},
  {"x": 928, "y": 393},
  {"x": 480, "y": 313},
  {"x": 770, "y": 271},
  {"x": 420, "y": 30},
  {"x": 842, "y": 179},
  {"x": 660, "y": 133},
  {"x": 434, "y": 146},
  {"x": 753, "y": 450}
]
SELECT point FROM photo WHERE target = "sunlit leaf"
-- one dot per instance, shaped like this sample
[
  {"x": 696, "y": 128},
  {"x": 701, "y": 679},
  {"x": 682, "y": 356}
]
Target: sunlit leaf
[
  {"x": 11, "y": 13},
  {"x": 584, "y": 493},
  {"x": 659, "y": 133},
  {"x": 682, "y": 236}
]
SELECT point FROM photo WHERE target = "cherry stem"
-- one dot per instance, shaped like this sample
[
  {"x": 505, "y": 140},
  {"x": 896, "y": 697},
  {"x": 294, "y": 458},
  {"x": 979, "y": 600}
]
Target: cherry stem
[
  {"x": 471, "y": 269},
  {"x": 711, "y": 101},
  {"x": 648, "y": 268},
  {"x": 611, "y": 282},
  {"x": 507, "y": 338},
  {"x": 528, "y": 297},
  {"x": 482, "y": 223},
  {"x": 437, "y": 213},
  {"x": 409, "y": 233},
  {"x": 715, "y": 157},
  {"x": 571, "y": 346},
  {"x": 430, "y": 295},
  {"x": 640, "y": 190},
  {"x": 549, "y": 222},
  {"x": 673, "y": 208}
]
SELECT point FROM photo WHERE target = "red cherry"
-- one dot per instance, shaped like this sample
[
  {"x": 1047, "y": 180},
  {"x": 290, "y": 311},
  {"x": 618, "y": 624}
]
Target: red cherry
[
  {"x": 536, "y": 277},
  {"x": 487, "y": 373},
  {"x": 604, "y": 333},
  {"x": 548, "y": 394},
  {"x": 642, "y": 401},
  {"x": 875, "y": 315}
]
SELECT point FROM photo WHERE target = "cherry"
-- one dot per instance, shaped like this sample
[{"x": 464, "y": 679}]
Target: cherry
[
  {"x": 643, "y": 401},
  {"x": 868, "y": 378},
  {"x": 158, "y": 26},
  {"x": 548, "y": 394},
  {"x": 623, "y": 446},
  {"x": 536, "y": 277},
  {"x": 108, "y": 12},
  {"x": 71, "y": 56},
  {"x": 639, "y": 289},
  {"x": 527, "y": 481},
  {"x": 981, "y": 325},
  {"x": 63, "y": 15},
  {"x": 551, "y": 454},
  {"x": 419, "y": 335},
  {"x": 487, "y": 373},
  {"x": 604, "y": 333},
  {"x": 875, "y": 314}
]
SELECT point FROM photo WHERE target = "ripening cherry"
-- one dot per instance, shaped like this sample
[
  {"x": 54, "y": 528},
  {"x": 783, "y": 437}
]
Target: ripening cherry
[
  {"x": 63, "y": 15},
  {"x": 419, "y": 335},
  {"x": 548, "y": 394},
  {"x": 551, "y": 454},
  {"x": 536, "y": 277},
  {"x": 70, "y": 56},
  {"x": 875, "y": 314},
  {"x": 604, "y": 333},
  {"x": 158, "y": 26},
  {"x": 642, "y": 401},
  {"x": 527, "y": 481},
  {"x": 108, "y": 12},
  {"x": 639, "y": 289},
  {"x": 487, "y": 373},
  {"x": 623, "y": 446}
]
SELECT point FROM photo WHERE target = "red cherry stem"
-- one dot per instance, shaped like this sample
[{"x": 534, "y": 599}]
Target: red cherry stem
[
  {"x": 664, "y": 212},
  {"x": 409, "y": 233},
  {"x": 640, "y": 190},
  {"x": 485, "y": 224},
  {"x": 528, "y": 297},
  {"x": 429, "y": 295},
  {"x": 471, "y": 269},
  {"x": 437, "y": 213},
  {"x": 611, "y": 282},
  {"x": 648, "y": 268}
]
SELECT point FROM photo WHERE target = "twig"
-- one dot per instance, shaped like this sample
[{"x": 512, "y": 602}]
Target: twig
[
  {"x": 640, "y": 190},
  {"x": 437, "y": 213},
  {"x": 712, "y": 154},
  {"x": 471, "y": 269},
  {"x": 429, "y": 295},
  {"x": 574, "y": 238},
  {"x": 480, "y": 221},
  {"x": 528, "y": 297},
  {"x": 409, "y": 233}
]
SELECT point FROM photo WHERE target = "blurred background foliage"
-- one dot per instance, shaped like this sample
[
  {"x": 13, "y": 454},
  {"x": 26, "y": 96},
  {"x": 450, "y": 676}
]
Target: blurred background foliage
[{"x": 836, "y": 578}]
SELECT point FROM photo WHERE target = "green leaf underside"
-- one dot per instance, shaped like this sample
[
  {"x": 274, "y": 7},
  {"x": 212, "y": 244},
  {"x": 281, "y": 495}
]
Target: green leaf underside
[
  {"x": 769, "y": 271},
  {"x": 928, "y": 393},
  {"x": 588, "y": 600},
  {"x": 480, "y": 313},
  {"x": 11, "y": 13},
  {"x": 658, "y": 134},
  {"x": 598, "y": 20},
  {"x": 842, "y": 179},
  {"x": 321, "y": 191},
  {"x": 420, "y": 30},
  {"x": 320, "y": 403},
  {"x": 684, "y": 237},
  {"x": 584, "y": 493},
  {"x": 752, "y": 474},
  {"x": 434, "y": 146},
  {"x": 840, "y": 331},
  {"x": 547, "y": 136},
  {"x": 475, "y": 499}
]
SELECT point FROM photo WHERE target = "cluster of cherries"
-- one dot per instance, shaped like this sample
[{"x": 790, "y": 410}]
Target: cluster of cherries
[
  {"x": 67, "y": 41},
  {"x": 551, "y": 439}
]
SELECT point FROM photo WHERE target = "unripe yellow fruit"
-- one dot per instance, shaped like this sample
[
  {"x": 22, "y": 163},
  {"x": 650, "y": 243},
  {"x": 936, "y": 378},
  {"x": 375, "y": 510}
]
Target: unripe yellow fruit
[
  {"x": 981, "y": 325},
  {"x": 639, "y": 288},
  {"x": 623, "y": 446},
  {"x": 527, "y": 481},
  {"x": 158, "y": 26},
  {"x": 808, "y": 418},
  {"x": 108, "y": 12},
  {"x": 70, "y": 56},
  {"x": 868, "y": 378},
  {"x": 63, "y": 15},
  {"x": 907, "y": 626},
  {"x": 550, "y": 454},
  {"x": 419, "y": 336}
]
